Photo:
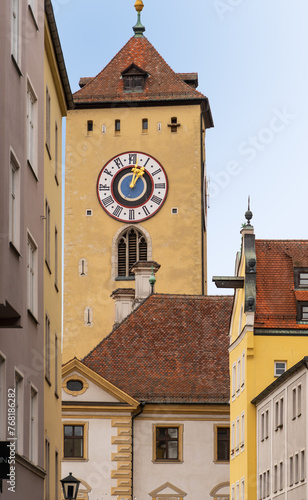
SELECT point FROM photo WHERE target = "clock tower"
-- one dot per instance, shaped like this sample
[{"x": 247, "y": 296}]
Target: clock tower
[{"x": 135, "y": 187}]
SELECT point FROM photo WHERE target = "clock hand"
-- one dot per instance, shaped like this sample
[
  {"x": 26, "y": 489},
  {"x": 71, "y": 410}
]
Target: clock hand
[{"x": 138, "y": 172}]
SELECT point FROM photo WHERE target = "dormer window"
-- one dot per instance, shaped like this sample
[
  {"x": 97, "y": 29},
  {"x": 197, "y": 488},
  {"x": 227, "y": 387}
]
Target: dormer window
[
  {"x": 301, "y": 277},
  {"x": 134, "y": 78},
  {"x": 302, "y": 311}
]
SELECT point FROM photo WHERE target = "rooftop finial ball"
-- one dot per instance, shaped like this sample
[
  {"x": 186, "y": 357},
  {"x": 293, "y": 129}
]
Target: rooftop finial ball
[{"x": 139, "y": 5}]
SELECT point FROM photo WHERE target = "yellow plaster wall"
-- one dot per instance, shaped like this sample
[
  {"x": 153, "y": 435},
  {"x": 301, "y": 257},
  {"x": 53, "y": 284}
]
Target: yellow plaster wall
[
  {"x": 176, "y": 239},
  {"x": 53, "y": 296},
  {"x": 261, "y": 353}
]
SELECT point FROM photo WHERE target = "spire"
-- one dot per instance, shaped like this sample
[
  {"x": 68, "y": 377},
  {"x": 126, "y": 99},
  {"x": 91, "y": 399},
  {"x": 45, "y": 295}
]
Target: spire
[
  {"x": 248, "y": 214},
  {"x": 139, "y": 28}
]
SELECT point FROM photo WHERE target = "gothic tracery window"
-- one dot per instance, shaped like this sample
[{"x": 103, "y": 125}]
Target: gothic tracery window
[{"x": 132, "y": 247}]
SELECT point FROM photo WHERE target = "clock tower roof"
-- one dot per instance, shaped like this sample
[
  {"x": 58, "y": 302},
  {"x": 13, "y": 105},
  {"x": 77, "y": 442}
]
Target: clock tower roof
[{"x": 138, "y": 76}]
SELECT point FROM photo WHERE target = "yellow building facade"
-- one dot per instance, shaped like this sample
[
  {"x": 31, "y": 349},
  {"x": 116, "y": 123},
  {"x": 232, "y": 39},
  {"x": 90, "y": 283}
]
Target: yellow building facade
[
  {"x": 137, "y": 112},
  {"x": 57, "y": 99},
  {"x": 267, "y": 336}
]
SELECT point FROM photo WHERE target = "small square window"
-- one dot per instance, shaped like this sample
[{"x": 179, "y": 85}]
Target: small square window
[
  {"x": 168, "y": 443},
  {"x": 89, "y": 212},
  {"x": 280, "y": 368},
  {"x": 174, "y": 211}
]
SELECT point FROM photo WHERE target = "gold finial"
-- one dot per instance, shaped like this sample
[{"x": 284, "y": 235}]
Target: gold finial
[{"x": 139, "y": 5}]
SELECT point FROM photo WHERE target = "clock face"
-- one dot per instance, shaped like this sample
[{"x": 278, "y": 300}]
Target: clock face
[{"x": 132, "y": 186}]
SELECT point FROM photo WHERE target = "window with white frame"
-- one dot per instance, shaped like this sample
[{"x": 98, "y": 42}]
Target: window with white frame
[
  {"x": 294, "y": 403},
  {"x": 302, "y": 466},
  {"x": 266, "y": 426},
  {"x": 291, "y": 471},
  {"x": 299, "y": 400},
  {"x": 242, "y": 445},
  {"x": 262, "y": 426},
  {"x": 232, "y": 438},
  {"x": 260, "y": 495},
  {"x": 232, "y": 492},
  {"x": 238, "y": 385},
  {"x": 280, "y": 368},
  {"x": 19, "y": 411},
  {"x": 281, "y": 413},
  {"x": 296, "y": 468},
  {"x": 47, "y": 234},
  {"x": 243, "y": 488},
  {"x": 14, "y": 209},
  {"x": 47, "y": 470},
  {"x": 33, "y": 434},
  {"x": 32, "y": 269},
  {"x": 32, "y": 128},
  {"x": 281, "y": 476},
  {"x": 275, "y": 483},
  {"x": 233, "y": 380},
  {"x": 237, "y": 436},
  {"x": 15, "y": 30},
  {"x": 56, "y": 153},
  {"x": 47, "y": 348},
  {"x": 237, "y": 491},
  {"x": 243, "y": 371},
  {"x": 3, "y": 395}
]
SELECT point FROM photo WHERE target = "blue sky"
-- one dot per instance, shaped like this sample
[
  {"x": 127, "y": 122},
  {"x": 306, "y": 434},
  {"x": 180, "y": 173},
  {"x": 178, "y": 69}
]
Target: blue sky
[{"x": 251, "y": 57}]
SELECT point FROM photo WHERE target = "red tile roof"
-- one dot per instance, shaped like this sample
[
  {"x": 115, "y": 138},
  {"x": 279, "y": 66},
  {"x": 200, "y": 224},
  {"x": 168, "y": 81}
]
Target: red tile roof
[
  {"x": 161, "y": 84},
  {"x": 173, "y": 348},
  {"x": 276, "y": 294}
]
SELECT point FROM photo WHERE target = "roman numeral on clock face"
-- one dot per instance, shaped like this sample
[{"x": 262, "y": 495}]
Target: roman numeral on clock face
[
  {"x": 156, "y": 172},
  {"x": 132, "y": 158},
  {"x": 103, "y": 187},
  {"x": 106, "y": 171},
  {"x": 118, "y": 162},
  {"x": 157, "y": 200},
  {"x": 107, "y": 201},
  {"x": 117, "y": 211},
  {"x": 131, "y": 214},
  {"x": 160, "y": 185},
  {"x": 146, "y": 211}
]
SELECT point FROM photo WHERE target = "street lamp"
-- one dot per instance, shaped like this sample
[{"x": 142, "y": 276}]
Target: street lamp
[{"x": 70, "y": 487}]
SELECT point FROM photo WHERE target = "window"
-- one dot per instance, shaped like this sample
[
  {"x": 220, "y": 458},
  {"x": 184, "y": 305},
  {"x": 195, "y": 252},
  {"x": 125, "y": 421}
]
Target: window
[
  {"x": 304, "y": 312},
  {"x": 47, "y": 139},
  {"x": 19, "y": 407},
  {"x": 47, "y": 348},
  {"x": 280, "y": 368},
  {"x": 281, "y": 478},
  {"x": 56, "y": 364},
  {"x": 33, "y": 434},
  {"x": 266, "y": 430},
  {"x": 299, "y": 400},
  {"x": 117, "y": 126},
  {"x": 237, "y": 490},
  {"x": 174, "y": 124},
  {"x": 47, "y": 470},
  {"x": 268, "y": 483},
  {"x": 275, "y": 485},
  {"x": 14, "y": 209},
  {"x": 132, "y": 247},
  {"x": 89, "y": 126},
  {"x": 33, "y": 10},
  {"x": 32, "y": 271},
  {"x": 83, "y": 267},
  {"x": 232, "y": 438},
  {"x": 233, "y": 379},
  {"x": 262, "y": 426},
  {"x": 56, "y": 259},
  {"x": 145, "y": 125},
  {"x": 232, "y": 492},
  {"x": 243, "y": 371},
  {"x": 281, "y": 413},
  {"x": 294, "y": 404},
  {"x": 47, "y": 234},
  {"x": 168, "y": 443},
  {"x": 302, "y": 472},
  {"x": 134, "y": 79},
  {"x": 260, "y": 496},
  {"x": 276, "y": 415},
  {"x": 238, "y": 385},
  {"x": 296, "y": 468},
  {"x": 89, "y": 212},
  {"x": 242, "y": 445},
  {"x": 291, "y": 471},
  {"x": 56, "y": 475},
  {"x": 237, "y": 436},
  {"x": 32, "y": 128},
  {"x": 56, "y": 153},
  {"x": 242, "y": 489},
  {"x": 222, "y": 441},
  {"x": 15, "y": 27},
  {"x": 75, "y": 385},
  {"x": 75, "y": 441},
  {"x": 301, "y": 277}
]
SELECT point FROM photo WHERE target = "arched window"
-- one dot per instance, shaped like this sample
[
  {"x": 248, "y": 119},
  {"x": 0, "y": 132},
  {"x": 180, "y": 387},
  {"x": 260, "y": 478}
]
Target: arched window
[{"x": 132, "y": 246}]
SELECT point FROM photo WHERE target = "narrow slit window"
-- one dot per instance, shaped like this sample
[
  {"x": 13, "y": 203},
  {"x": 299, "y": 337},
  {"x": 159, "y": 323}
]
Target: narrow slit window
[
  {"x": 90, "y": 126},
  {"x": 145, "y": 125},
  {"x": 117, "y": 126},
  {"x": 174, "y": 124}
]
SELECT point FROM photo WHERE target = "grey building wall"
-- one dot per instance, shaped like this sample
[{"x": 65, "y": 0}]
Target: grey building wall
[{"x": 21, "y": 333}]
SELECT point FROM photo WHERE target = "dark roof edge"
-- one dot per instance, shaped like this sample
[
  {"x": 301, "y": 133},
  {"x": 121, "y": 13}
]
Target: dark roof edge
[
  {"x": 59, "y": 54},
  {"x": 280, "y": 380}
]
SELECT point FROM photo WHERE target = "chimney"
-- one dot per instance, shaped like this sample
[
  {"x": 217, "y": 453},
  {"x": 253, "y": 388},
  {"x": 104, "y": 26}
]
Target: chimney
[
  {"x": 143, "y": 271},
  {"x": 124, "y": 300}
]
